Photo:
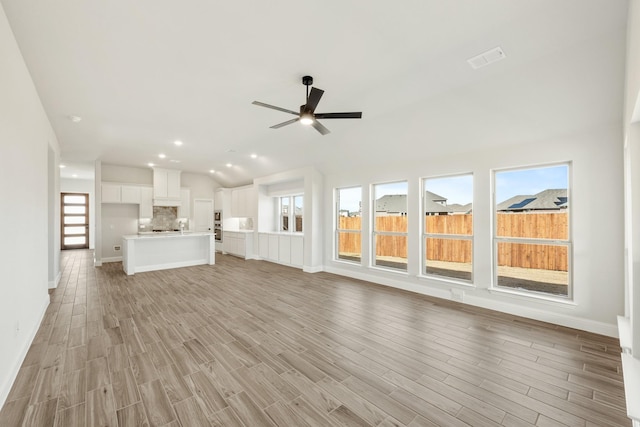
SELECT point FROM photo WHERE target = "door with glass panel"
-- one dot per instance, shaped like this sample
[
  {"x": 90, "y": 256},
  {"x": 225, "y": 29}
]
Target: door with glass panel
[{"x": 75, "y": 221}]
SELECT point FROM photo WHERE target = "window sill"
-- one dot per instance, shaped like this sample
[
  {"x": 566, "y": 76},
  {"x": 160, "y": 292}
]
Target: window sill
[{"x": 538, "y": 297}]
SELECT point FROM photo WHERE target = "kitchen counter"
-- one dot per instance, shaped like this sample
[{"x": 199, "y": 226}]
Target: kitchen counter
[{"x": 160, "y": 251}]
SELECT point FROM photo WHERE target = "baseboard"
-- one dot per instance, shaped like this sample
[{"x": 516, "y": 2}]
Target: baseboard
[
  {"x": 55, "y": 282},
  {"x": 112, "y": 259},
  {"x": 6, "y": 387},
  {"x": 560, "y": 319},
  {"x": 316, "y": 269}
]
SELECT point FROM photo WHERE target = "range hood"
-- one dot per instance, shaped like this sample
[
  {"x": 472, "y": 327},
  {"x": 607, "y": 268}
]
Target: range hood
[
  {"x": 166, "y": 187},
  {"x": 167, "y": 202}
]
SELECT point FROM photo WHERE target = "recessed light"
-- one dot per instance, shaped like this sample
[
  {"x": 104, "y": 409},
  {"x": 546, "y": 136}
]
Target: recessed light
[
  {"x": 162, "y": 156},
  {"x": 229, "y": 165},
  {"x": 74, "y": 175},
  {"x": 212, "y": 171},
  {"x": 150, "y": 165},
  {"x": 254, "y": 156},
  {"x": 62, "y": 166},
  {"x": 178, "y": 143},
  {"x": 75, "y": 119}
]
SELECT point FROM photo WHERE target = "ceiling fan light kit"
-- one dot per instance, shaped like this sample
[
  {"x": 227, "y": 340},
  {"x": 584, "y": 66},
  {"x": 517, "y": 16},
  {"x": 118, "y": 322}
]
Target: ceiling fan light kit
[{"x": 307, "y": 114}]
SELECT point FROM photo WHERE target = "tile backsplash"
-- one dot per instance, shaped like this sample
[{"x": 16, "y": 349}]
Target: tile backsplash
[{"x": 164, "y": 218}]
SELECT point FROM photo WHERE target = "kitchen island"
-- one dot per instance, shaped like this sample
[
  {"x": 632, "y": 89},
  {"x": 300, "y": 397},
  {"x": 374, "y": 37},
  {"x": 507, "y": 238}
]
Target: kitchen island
[{"x": 161, "y": 251}]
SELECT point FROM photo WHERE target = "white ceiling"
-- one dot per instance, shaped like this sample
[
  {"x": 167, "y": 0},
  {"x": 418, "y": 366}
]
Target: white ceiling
[{"x": 144, "y": 73}]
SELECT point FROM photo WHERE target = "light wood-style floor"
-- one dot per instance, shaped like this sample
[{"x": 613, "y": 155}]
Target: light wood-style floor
[{"x": 251, "y": 343}]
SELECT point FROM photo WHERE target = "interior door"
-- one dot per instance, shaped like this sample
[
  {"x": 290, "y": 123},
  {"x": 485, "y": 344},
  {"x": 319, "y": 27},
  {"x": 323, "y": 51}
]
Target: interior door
[
  {"x": 203, "y": 215},
  {"x": 75, "y": 221}
]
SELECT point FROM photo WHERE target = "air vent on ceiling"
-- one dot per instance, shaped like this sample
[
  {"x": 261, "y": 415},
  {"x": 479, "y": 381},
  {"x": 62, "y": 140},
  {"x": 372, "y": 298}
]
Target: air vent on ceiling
[{"x": 486, "y": 58}]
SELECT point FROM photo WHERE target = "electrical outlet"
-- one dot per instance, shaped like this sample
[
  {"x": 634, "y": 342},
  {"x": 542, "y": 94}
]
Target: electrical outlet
[
  {"x": 116, "y": 248},
  {"x": 457, "y": 295}
]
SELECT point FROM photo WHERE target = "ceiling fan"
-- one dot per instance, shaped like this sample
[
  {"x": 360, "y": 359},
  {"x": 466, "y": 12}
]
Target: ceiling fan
[{"x": 307, "y": 114}]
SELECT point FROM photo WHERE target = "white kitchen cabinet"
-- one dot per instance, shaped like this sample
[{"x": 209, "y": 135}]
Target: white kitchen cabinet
[
  {"x": 130, "y": 194},
  {"x": 111, "y": 193},
  {"x": 146, "y": 202},
  {"x": 297, "y": 251},
  {"x": 263, "y": 245},
  {"x": 283, "y": 248},
  {"x": 166, "y": 184},
  {"x": 243, "y": 202},
  {"x": 184, "y": 210},
  {"x": 273, "y": 248},
  {"x": 238, "y": 243}
]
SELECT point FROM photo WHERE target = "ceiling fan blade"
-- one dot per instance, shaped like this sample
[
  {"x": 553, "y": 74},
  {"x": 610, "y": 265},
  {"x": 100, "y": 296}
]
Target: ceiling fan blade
[
  {"x": 314, "y": 98},
  {"x": 288, "y": 122},
  {"x": 273, "y": 107},
  {"x": 354, "y": 115},
  {"x": 320, "y": 127}
]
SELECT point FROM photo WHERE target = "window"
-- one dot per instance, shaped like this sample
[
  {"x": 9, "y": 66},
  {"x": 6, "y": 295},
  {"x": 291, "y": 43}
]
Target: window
[
  {"x": 532, "y": 250},
  {"x": 349, "y": 224},
  {"x": 448, "y": 227},
  {"x": 390, "y": 225},
  {"x": 291, "y": 213}
]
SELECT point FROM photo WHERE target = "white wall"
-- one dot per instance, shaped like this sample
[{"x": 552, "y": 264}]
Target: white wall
[
  {"x": 117, "y": 220},
  {"x": 70, "y": 185},
  {"x": 25, "y": 138},
  {"x": 126, "y": 174},
  {"x": 632, "y": 174},
  {"x": 200, "y": 187},
  {"x": 596, "y": 202}
]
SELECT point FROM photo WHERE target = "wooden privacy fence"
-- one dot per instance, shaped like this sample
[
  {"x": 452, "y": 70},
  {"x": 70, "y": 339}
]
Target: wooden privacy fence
[{"x": 548, "y": 225}]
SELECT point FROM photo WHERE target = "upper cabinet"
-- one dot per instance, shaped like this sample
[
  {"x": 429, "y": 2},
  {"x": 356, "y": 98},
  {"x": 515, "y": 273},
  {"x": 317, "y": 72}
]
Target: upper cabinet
[
  {"x": 122, "y": 193},
  {"x": 130, "y": 194},
  {"x": 243, "y": 202},
  {"x": 111, "y": 193},
  {"x": 166, "y": 187},
  {"x": 146, "y": 202}
]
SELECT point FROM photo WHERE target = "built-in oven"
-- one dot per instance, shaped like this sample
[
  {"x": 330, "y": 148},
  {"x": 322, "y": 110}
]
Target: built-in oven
[{"x": 217, "y": 225}]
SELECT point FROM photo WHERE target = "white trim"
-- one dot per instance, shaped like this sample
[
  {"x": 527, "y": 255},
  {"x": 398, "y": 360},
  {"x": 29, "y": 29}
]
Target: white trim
[
  {"x": 306, "y": 269},
  {"x": 13, "y": 373},
  {"x": 54, "y": 283},
  {"x": 111, "y": 259}
]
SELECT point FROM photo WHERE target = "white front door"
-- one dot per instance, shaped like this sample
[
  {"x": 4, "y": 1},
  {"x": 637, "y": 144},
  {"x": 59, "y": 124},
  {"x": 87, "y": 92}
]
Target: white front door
[{"x": 203, "y": 215}]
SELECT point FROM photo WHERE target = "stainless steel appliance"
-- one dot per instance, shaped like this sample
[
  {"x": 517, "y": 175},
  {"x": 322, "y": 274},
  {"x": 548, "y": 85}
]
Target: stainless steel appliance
[{"x": 217, "y": 225}]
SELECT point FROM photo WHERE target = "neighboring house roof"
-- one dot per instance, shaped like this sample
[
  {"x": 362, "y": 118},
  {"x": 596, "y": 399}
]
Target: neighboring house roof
[
  {"x": 392, "y": 203},
  {"x": 435, "y": 207},
  {"x": 434, "y": 203},
  {"x": 458, "y": 208},
  {"x": 551, "y": 199},
  {"x": 435, "y": 197}
]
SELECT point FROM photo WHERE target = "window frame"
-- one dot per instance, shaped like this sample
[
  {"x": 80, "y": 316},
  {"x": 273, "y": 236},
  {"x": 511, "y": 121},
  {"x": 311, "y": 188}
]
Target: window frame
[
  {"x": 291, "y": 215},
  {"x": 425, "y": 235},
  {"x": 338, "y": 230},
  {"x": 374, "y": 233},
  {"x": 568, "y": 243}
]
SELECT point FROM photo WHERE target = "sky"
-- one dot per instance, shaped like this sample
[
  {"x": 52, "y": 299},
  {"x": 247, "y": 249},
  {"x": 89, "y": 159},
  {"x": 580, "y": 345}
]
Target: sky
[{"x": 459, "y": 189}]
